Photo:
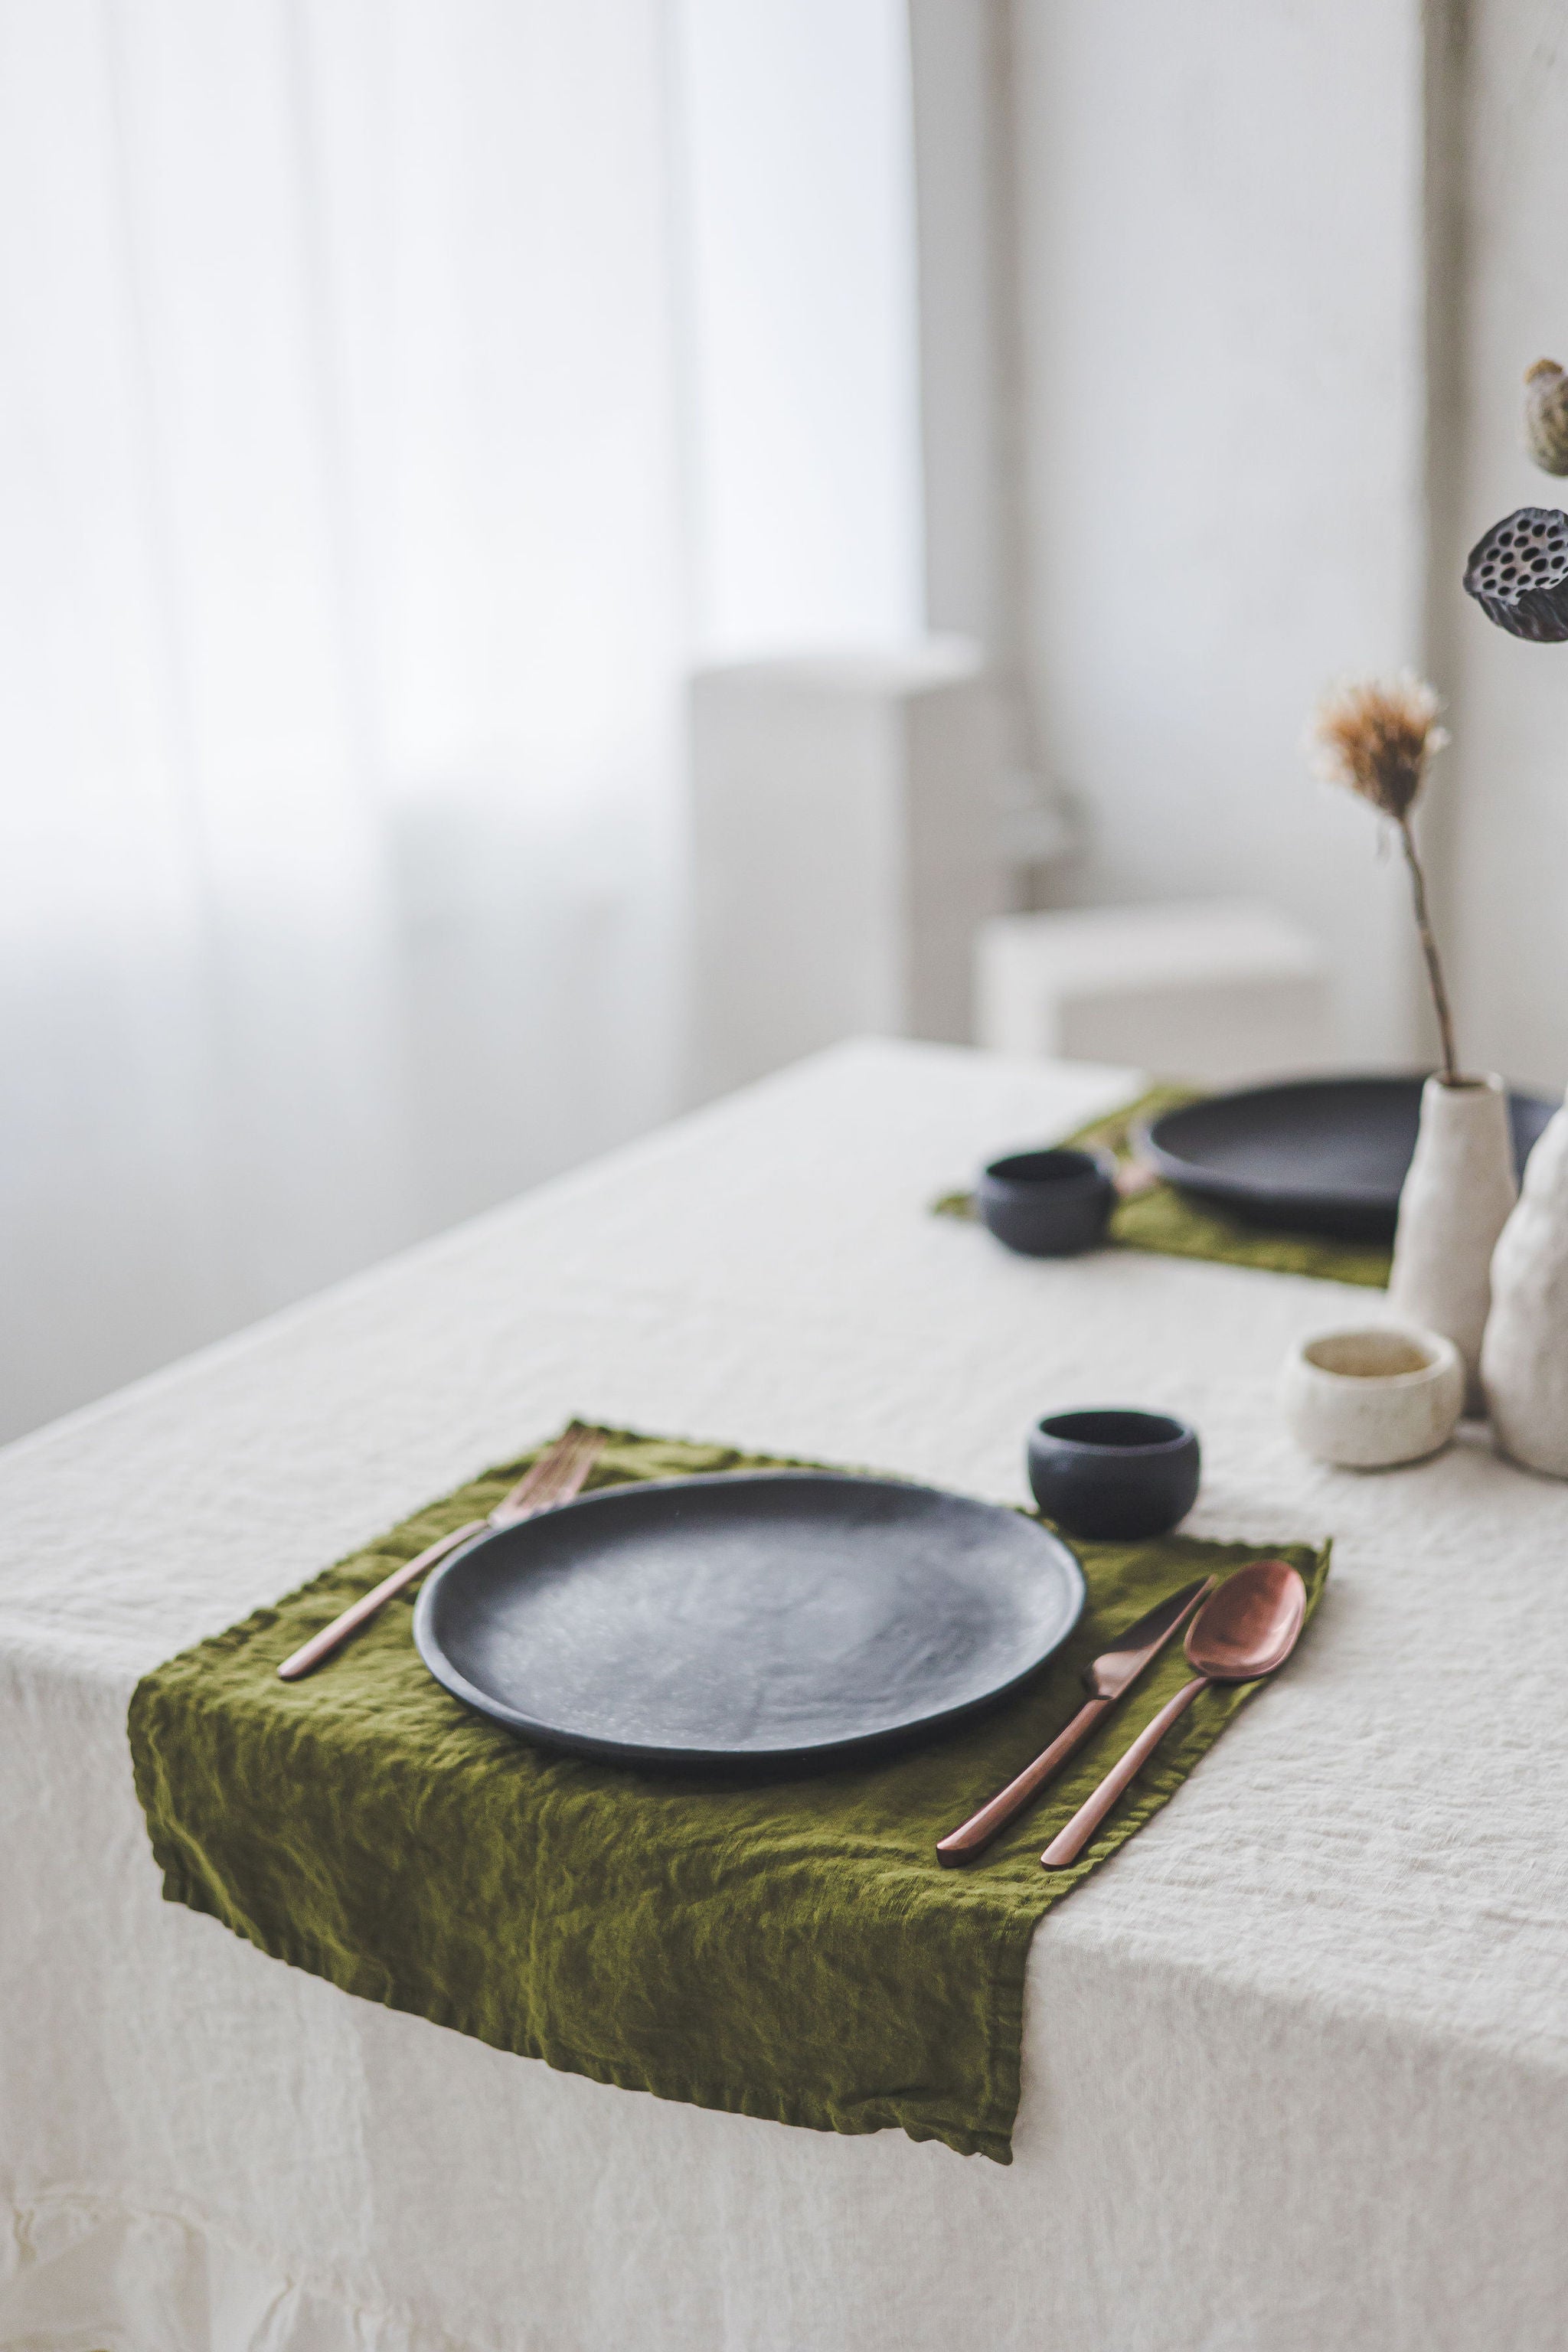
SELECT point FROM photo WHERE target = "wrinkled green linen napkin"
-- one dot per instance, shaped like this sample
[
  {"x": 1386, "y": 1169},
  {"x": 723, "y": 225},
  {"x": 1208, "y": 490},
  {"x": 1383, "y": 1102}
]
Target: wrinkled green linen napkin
[
  {"x": 1160, "y": 1220},
  {"x": 788, "y": 1948}
]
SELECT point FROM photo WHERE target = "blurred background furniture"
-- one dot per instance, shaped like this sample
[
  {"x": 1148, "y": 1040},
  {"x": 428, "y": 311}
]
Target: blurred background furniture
[
  {"x": 847, "y": 844},
  {"x": 1217, "y": 992}
]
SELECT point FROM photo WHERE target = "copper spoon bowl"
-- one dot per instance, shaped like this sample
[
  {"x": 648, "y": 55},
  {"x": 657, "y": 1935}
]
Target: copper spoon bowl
[{"x": 1244, "y": 1631}]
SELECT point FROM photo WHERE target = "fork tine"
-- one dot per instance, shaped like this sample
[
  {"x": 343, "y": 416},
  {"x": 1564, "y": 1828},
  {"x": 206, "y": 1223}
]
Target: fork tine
[
  {"x": 545, "y": 1466},
  {"x": 560, "y": 1469},
  {"x": 574, "y": 1460},
  {"x": 567, "y": 1477}
]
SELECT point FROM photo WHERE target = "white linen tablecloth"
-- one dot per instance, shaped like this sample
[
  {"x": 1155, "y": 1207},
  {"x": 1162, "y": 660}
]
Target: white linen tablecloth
[{"x": 1296, "y": 2063}]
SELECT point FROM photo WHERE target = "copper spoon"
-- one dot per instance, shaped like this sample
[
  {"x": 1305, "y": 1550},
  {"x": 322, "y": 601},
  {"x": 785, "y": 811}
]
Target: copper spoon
[{"x": 1242, "y": 1631}]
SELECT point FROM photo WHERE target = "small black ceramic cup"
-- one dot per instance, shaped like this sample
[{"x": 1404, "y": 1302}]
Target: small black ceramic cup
[
  {"x": 1112, "y": 1472},
  {"x": 1047, "y": 1204}
]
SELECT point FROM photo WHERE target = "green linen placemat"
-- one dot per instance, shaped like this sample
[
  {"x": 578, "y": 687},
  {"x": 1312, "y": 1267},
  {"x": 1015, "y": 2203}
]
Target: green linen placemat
[
  {"x": 788, "y": 1948},
  {"x": 1160, "y": 1220}
]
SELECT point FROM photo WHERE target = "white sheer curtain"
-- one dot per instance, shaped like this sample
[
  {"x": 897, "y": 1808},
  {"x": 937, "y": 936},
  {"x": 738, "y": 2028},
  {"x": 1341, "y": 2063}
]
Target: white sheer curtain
[{"x": 341, "y": 614}]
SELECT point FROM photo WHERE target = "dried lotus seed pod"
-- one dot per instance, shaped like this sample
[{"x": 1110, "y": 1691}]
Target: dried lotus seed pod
[
  {"x": 1546, "y": 415},
  {"x": 1518, "y": 575}
]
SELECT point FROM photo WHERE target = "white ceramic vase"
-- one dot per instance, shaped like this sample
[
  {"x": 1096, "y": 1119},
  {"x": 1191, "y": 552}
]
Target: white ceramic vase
[
  {"x": 1524, "y": 1358},
  {"x": 1455, "y": 1201}
]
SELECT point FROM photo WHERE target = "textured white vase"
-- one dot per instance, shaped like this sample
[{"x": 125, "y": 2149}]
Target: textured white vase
[
  {"x": 1455, "y": 1201},
  {"x": 1524, "y": 1358}
]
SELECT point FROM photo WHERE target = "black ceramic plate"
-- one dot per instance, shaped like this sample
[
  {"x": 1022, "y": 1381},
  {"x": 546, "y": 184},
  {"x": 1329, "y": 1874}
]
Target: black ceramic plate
[
  {"x": 767, "y": 1617},
  {"x": 1317, "y": 1156}
]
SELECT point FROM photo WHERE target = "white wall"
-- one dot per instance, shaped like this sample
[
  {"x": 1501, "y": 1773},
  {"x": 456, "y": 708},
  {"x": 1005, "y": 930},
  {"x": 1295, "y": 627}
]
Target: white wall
[
  {"x": 791, "y": 121},
  {"x": 1506, "y": 885},
  {"x": 958, "y": 60},
  {"x": 1219, "y": 237}
]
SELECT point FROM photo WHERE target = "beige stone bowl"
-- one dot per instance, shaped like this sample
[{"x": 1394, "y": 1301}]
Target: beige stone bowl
[{"x": 1371, "y": 1397}]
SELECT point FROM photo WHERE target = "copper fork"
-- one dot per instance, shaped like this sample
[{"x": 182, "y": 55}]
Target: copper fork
[{"x": 560, "y": 1473}]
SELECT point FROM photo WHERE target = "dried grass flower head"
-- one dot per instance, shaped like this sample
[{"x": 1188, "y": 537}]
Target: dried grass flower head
[{"x": 1376, "y": 736}]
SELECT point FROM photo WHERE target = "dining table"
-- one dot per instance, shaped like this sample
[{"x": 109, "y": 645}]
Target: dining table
[{"x": 1294, "y": 2060}]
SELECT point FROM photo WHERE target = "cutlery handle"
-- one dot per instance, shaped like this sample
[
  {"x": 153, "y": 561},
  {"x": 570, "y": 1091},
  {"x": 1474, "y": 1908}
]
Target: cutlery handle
[
  {"x": 1069, "y": 1844},
  {"x": 312, "y": 1652},
  {"x": 980, "y": 1828}
]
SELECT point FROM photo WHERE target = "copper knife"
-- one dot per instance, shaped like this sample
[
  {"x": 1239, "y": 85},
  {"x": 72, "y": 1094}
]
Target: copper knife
[{"x": 1107, "y": 1678}]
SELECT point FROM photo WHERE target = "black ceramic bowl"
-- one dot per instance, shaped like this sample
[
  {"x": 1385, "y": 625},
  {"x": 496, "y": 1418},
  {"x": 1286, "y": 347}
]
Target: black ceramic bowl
[
  {"x": 1047, "y": 1204},
  {"x": 1112, "y": 1472}
]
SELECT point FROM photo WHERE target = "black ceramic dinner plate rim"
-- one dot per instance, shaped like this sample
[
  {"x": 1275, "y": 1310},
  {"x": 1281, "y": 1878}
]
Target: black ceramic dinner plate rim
[
  {"x": 1195, "y": 1174},
  {"x": 729, "y": 1760},
  {"x": 1214, "y": 1183}
]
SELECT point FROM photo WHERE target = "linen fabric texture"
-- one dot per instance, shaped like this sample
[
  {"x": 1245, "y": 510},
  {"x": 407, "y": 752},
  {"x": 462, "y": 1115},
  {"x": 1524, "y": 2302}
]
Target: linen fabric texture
[
  {"x": 1161, "y": 1219},
  {"x": 789, "y": 1950}
]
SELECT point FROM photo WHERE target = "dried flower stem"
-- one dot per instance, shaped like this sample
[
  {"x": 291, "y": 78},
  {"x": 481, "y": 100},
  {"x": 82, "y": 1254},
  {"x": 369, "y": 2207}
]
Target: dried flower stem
[
  {"x": 1429, "y": 950},
  {"x": 1376, "y": 737}
]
